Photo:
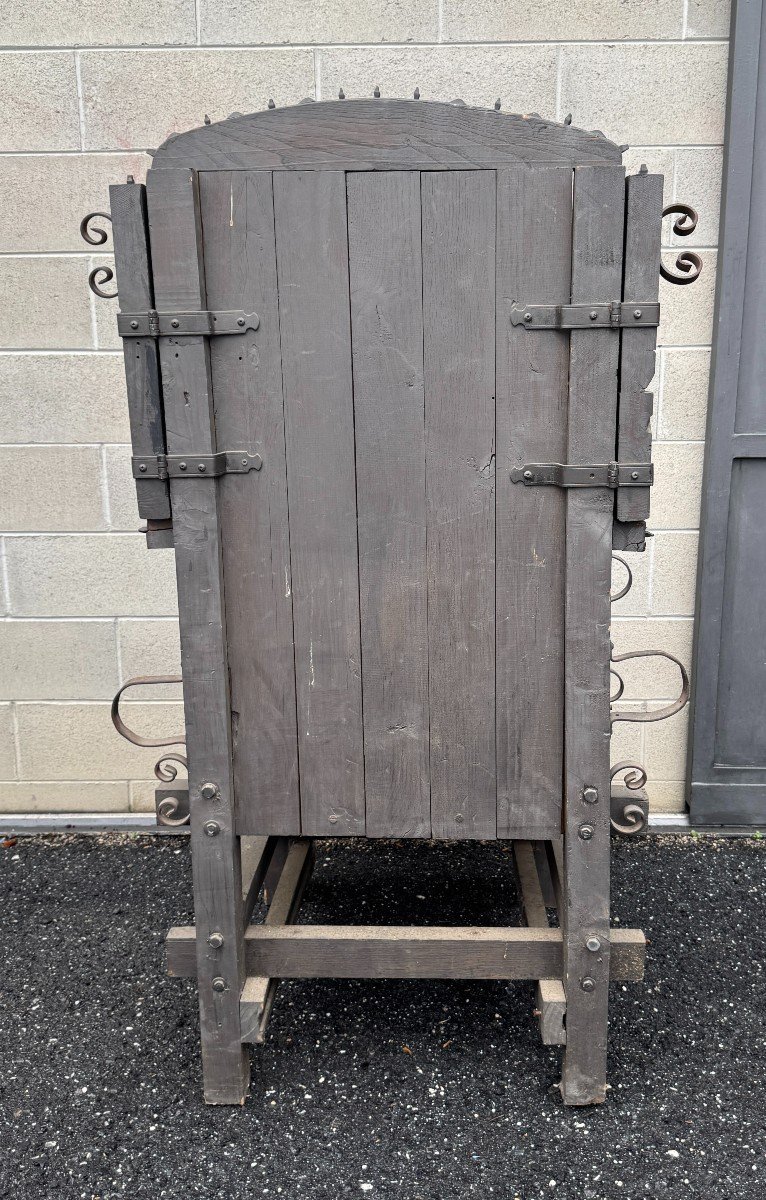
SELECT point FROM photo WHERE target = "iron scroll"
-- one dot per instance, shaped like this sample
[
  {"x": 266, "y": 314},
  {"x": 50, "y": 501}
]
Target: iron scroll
[
  {"x": 688, "y": 263},
  {"x": 170, "y": 811},
  {"x": 95, "y": 236}
]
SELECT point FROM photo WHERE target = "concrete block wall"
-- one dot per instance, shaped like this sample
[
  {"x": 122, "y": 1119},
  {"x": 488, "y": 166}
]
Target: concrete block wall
[{"x": 85, "y": 89}]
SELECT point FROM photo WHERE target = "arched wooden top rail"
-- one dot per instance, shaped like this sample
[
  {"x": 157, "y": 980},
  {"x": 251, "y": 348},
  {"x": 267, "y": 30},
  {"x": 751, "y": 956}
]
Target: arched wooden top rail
[{"x": 383, "y": 135}]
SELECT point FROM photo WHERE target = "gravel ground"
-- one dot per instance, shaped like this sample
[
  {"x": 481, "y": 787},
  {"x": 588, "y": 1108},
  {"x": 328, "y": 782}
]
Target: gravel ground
[{"x": 415, "y": 1090}]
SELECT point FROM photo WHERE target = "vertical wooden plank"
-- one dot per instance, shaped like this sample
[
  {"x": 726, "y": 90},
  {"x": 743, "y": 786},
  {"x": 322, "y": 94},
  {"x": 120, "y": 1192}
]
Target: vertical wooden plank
[
  {"x": 534, "y": 220},
  {"x": 240, "y": 272},
  {"x": 643, "y": 229},
  {"x": 312, "y": 267},
  {"x": 459, "y": 366},
  {"x": 176, "y": 239},
  {"x": 142, "y": 371},
  {"x": 387, "y": 343},
  {"x": 597, "y": 236}
]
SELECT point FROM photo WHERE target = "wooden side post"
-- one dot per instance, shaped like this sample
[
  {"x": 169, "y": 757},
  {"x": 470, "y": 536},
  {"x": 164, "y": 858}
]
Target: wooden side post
[
  {"x": 597, "y": 235},
  {"x": 179, "y": 285}
]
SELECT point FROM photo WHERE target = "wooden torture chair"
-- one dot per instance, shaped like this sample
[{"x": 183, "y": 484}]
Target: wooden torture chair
[{"x": 386, "y": 364}]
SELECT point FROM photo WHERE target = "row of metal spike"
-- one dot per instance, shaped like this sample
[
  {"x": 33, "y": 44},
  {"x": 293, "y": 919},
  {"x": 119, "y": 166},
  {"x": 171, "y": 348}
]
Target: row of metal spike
[{"x": 377, "y": 96}]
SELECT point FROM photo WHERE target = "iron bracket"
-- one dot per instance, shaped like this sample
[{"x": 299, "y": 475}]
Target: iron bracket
[
  {"x": 602, "y": 475},
  {"x": 202, "y": 323},
  {"x": 191, "y": 466},
  {"x": 614, "y": 314}
]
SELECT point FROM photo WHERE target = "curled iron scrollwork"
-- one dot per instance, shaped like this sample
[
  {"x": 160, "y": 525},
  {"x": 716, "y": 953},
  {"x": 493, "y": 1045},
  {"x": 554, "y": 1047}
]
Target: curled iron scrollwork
[
  {"x": 628, "y": 585},
  {"x": 96, "y": 279},
  {"x": 628, "y": 816},
  {"x": 620, "y": 686},
  {"x": 656, "y": 714},
  {"x": 687, "y": 262},
  {"x": 166, "y": 767},
  {"x": 95, "y": 236}
]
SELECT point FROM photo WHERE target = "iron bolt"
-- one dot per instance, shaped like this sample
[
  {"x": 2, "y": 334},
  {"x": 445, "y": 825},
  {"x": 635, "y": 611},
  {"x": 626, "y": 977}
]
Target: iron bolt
[
  {"x": 527, "y": 316},
  {"x": 527, "y": 474},
  {"x": 174, "y": 323},
  {"x": 459, "y": 818},
  {"x": 215, "y": 941},
  {"x": 593, "y": 944},
  {"x": 142, "y": 467},
  {"x": 593, "y": 315},
  {"x": 134, "y": 324},
  {"x": 182, "y": 466},
  {"x": 634, "y": 474},
  {"x": 218, "y": 984},
  {"x": 209, "y": 791},
  {"x": 333, "y": 818},
  {"x": 212, "y": 828},
  {"x": 201, "y": 467},
  {"x": 240, "y": 320},
  {"x": 590, "y": 795},
  {"x": 587, "y": 984},
  {"x": 586, "y": 832},
  {"x": 637, "y": 313}
]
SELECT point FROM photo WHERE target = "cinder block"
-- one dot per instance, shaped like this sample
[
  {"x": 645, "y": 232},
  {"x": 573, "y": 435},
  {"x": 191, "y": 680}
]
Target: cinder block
[
  {"x": 627, "y": 742},
  {"x": 674, "y": 574},
  {"x": 698, "y": 182},
  {"x": 105, "y": 311},
  {"x": 120, "y": 90},
  {"x": 683, "y": 400},
  {"x": 550, "y": 20},
  {"x": 525, "y": 76},
  {"x": 38, "y": 99},
  {"x": 72, "y": 184},
  {"x": 677, "y": 491},
  {"x": 58, "y": 660},
  {"x": 305, "y": 21},
  {"x": 142, "y": 22},
  {"x": 666, "y": 795},
  {"x": 686, "y": 313},
  {"x": 7, "y": 744},
  {"x": 708, "y": 18},
  {"x": 69, "y": 797},
  {"x": 150, "y": 648},
  {"x": 51, "y": 488},
  {"x": 652, "y": 678},
  {"x": 660, "y": 95},
  {"x": 78, "y": 741},
  {"x": 46, "y": 304},
  {"x": 142, "y": 793},
  {"x": 665, "y": 749},
  {"x": 121, "y": 489},
  {"x": 63, "y": 398},
  {"x": 89, "y": 575},
  {"x": 637, "y": 599}
]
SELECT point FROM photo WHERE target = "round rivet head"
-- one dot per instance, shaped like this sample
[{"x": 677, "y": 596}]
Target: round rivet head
[
  {"x": 588, "y": 984},
  {"x": 586, "y": 832},
  {"x": 201, "y": 468},
  {"x": 212, "y": 828},
  {"x": 182, "y": 466},
  {"x": 593, "y": 315},
  {"x": 218, "y": 984},
  {"x": 637, "y": 313},
  {"x": 527, "y": 316},
  {"x": 590, "y": 795},
  {"x": 215, "y": 941},
  {"x": 333, "y": 818},
  {"x": 209, "y": 791},
  {"x": 134, "y": 324},
  {"x": 142, "y": 468},
  {"x": 593, "y": 944},
  {"x": 634, "y": 474},
  {"x": 175, "y": 323},
  {"x": 240, "y": 321},
  {"x": 527, "y": 474},
  {"x": 459, "y": 818}
]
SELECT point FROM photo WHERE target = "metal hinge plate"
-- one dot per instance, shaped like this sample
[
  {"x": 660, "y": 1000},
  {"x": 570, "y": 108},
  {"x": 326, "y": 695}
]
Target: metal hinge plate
[
  {"x": 195, "y": 466},
  {"x": 202, "y": 323},
  {"x": 613, "y": 315},
  {"x": 610, "y": 475}
]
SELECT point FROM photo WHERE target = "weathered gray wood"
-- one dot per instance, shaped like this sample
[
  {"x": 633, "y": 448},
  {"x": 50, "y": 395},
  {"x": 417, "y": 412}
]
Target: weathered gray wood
[
  {"x": 363, "y": 135},
  {"x": 727, "y": 751},
  {"x": 629, "y": 536},
  {"x": 550, "y": 996},
  {"x": 240, "y": 273},
  {"x": 312, "y": 260},
  {"x": 405, "y": 952},
  {"x": 179, "y": 283},
  {"x": 256, "y": 855},
  {"x": 387, "y": 342},
  {"x": 534, "y": 221},
  {"x": 258, "y": 992},
  {"x": 459, "y": 367},
  {"x": 596, "y": 271},
  {"x": 142, "y": 371},
  {"x": 643, "y": 229}
]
